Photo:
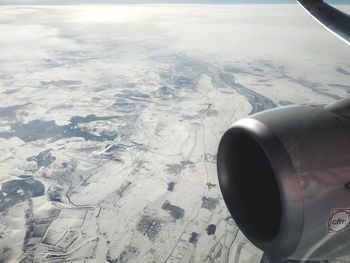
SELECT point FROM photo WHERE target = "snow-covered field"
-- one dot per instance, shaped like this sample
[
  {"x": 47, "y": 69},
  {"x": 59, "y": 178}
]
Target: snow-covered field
[{"x": 110, "y": 118}]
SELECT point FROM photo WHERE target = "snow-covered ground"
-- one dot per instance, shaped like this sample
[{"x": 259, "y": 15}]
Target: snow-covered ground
[{"x": 110, "y": 118}]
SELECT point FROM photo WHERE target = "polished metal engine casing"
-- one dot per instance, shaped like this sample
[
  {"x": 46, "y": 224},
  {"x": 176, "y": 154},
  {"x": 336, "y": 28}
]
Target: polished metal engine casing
[{"x": 283, "y": 173}]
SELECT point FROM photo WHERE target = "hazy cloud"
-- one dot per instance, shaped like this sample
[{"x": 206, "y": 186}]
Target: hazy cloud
[{"x": 68, "y": 2}]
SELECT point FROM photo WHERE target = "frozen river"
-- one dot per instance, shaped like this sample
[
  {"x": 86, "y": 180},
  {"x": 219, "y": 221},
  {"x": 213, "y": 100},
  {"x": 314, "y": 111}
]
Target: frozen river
[{"x": 110, "y": 118}]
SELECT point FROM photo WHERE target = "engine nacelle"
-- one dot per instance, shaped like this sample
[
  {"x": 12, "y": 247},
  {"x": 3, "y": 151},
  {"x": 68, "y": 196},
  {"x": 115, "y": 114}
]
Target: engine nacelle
[{"x": 285, "y": 177}]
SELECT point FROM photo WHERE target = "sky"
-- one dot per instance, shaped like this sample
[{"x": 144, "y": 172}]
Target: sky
[{"x": 159, "y": 1}]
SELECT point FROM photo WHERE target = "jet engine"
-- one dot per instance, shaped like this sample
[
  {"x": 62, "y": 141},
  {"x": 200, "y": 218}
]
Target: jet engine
[{"x": 285, "y": 178}]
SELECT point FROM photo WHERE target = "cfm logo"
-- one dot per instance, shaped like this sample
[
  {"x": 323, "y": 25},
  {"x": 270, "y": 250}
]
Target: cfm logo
[{"x": 339, "y": 220}]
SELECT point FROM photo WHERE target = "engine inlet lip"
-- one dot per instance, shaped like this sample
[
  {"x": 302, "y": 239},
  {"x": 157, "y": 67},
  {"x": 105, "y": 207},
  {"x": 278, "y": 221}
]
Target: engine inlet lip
[{"x": 291, "y": 224}]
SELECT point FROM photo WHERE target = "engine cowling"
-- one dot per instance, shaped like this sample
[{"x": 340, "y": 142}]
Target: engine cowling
[{"x": 285, "y": 178}]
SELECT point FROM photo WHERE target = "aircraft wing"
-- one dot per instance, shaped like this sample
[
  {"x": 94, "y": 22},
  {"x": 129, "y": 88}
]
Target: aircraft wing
[{"x": 331, "y": 18}]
